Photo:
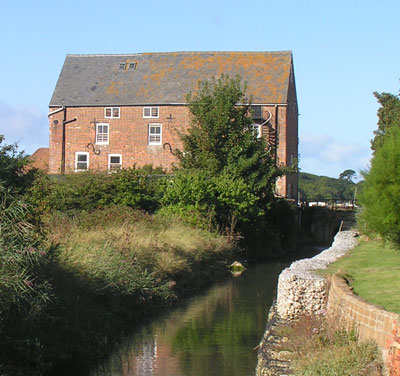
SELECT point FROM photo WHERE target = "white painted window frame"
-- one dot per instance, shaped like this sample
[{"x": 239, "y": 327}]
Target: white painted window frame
[
  {"x": 97, "y": 134},
  {"x": 154, "y": 134},
  {"x": 112, "y": 112},
  {"x": 109, "y": 161},
  {"x": 76, "y": 160},
  {"x": 151, "y": 109}
]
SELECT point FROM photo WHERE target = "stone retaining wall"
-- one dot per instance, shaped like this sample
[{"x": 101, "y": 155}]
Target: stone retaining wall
[{"x": 300, "y": 291}]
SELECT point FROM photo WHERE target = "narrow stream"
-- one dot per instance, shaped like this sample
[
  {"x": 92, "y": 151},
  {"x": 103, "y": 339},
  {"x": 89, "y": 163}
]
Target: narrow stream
[{"x": 211, "y": 334}]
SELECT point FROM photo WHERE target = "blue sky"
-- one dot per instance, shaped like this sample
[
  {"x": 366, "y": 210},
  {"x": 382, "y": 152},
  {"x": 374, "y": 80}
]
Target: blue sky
[{"x": 343, "y": 51}]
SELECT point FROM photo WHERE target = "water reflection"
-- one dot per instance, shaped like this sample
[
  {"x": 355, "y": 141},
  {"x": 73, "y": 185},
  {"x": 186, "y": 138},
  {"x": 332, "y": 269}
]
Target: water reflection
[{"x": 211, "y": 334}]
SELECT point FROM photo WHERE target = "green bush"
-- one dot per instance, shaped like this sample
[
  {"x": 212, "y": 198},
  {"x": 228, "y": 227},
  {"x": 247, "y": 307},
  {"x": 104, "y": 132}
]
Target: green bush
[
  {"x": 223, "y": 198},
  {"x": 15, "y": 172},
  {"x": 136, "y": 188},
  {"x": 380, "y": 196}
]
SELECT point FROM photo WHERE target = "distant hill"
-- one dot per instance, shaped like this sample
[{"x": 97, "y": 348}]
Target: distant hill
[{"x": 319, "y": 188}]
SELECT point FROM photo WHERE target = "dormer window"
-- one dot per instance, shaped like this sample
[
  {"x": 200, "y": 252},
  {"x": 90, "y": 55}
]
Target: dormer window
[
  {"x": 150, "y": 112},
  {"x": 111, "y": 112},
  {"x": 122, "y": 66},
  {"x": 132, "y": 66}
]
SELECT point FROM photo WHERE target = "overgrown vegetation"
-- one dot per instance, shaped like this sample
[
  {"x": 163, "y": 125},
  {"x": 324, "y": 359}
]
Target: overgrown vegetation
[
  {"x": 82, "y": 255},
  {"x": 324, "y": 348},
  {"x": 226, "y": 172}
]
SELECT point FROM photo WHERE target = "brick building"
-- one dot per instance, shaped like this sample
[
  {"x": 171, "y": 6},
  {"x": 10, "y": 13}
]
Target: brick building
[{"x": 113, "y": 111}]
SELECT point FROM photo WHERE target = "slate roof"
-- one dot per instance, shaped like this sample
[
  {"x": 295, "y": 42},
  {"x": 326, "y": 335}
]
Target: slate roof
[{"x": 166, "y": 78}]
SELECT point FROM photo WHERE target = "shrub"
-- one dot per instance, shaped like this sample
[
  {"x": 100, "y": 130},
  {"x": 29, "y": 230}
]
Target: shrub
[
  {"x": 380, "y": 196},
  {"x": 136, "y": 188},
  {"x": 14, "y": 171}
]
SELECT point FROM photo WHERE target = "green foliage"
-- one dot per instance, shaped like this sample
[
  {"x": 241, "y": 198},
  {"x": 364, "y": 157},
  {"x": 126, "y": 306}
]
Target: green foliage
[
  {"x": 318, "y": 188},
  {"x": 88, "y": 191},
  {"x": 225, "y": 171},
  {"x": 25, "y": 291},
  {"x": 221, "y": 138},
  {"x": 14, "y": 171},
  {"x": 388, "y": 115},
  {"x": 380, "y": 196},
  {"x": 221, "y": 198}
]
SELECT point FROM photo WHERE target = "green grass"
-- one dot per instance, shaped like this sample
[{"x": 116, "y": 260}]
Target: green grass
[{"x": 373, "y": 270}]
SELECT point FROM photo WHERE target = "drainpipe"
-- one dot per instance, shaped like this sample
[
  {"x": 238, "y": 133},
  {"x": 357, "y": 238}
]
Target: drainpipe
[{"x": 65, "y": 121}]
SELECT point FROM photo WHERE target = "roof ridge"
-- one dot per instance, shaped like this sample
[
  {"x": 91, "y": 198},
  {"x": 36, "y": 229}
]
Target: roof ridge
[{"x": 181, "y": 52}]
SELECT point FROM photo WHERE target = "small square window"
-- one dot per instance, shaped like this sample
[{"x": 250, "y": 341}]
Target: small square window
[
  {"x": 102, "y": 133},
  {"x": 155, "y": 134},
  {"x": 114, "y": 162},
  {"x": 150, "y": 112},
  {"x": 111, "y": 112},
  {"x": 81, "y": 161},
  {"x": 122, "y": 66}
]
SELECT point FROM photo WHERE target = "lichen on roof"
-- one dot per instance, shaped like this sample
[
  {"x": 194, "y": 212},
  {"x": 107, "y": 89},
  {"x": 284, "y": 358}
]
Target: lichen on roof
[{"x": 165, "y": 78}]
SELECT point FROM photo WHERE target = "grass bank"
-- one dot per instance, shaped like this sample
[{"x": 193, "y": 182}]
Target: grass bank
[
  {"x": 373, "y": 271},
  {"x": 103, "y": 271}
]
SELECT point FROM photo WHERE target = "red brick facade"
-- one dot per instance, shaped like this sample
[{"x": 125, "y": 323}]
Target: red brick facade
[
  {"x": 88, "y": 84},
  {"x": 129, "y": 138}
]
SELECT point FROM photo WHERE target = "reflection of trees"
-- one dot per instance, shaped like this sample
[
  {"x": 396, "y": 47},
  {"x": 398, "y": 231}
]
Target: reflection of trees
[{"x": 211, "y": 334}]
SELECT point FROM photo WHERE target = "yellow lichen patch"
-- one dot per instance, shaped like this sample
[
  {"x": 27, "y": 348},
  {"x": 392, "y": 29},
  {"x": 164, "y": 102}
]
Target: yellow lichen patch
[{"x": 113, "y": 89}]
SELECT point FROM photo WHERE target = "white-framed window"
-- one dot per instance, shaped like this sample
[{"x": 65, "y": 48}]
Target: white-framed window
[
  {"x": 81, "y": 161},
  {"x": 114, "y": 162},
  {"x": 111, "y": 112},
  {"x": 257, "y": 130},
  {"x": 102, "y": 133},
  {"x": 150, "y": 112},
  {"x": 155, "y": 134}
]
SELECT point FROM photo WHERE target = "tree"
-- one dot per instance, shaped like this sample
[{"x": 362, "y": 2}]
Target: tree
[
  {"x": 221, "y": 139},
  {"x": 348, "y": 175},
  {"x": 13, "y": 167},
  {"x": 380, "y": 195},
  {"x": 388, "y": 116},
  {"x": 226, "y": 173}
]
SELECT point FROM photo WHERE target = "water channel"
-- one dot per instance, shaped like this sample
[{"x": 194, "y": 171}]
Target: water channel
[{"x": 214, "y": 333}]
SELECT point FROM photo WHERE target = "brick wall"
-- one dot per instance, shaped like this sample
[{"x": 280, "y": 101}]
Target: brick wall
[
  {"x": 372, "y": 322},
  {"x": 128, "y": 136}
]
